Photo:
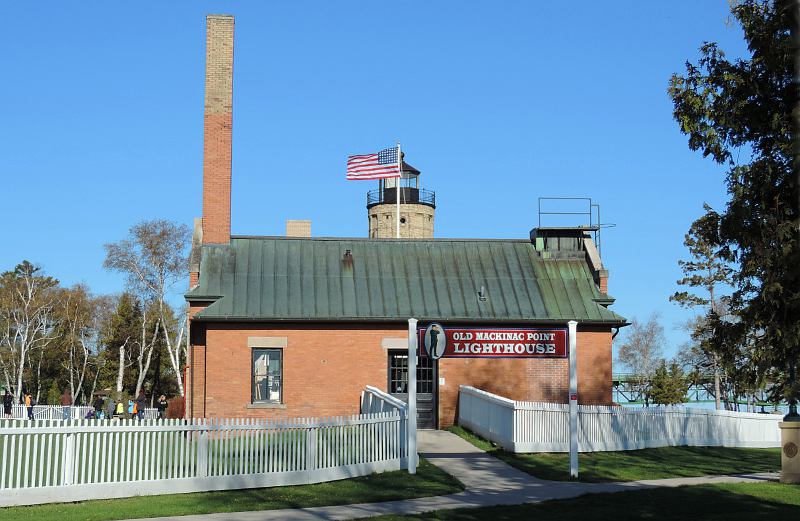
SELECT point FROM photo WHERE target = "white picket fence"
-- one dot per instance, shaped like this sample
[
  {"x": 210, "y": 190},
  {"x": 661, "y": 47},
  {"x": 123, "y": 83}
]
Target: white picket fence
[
  {"x": 56, "y": 412},
  {"x": 544, "y": 427},
  {"x": 374, "y": 400},
  {"x": 45, "y": 461}
]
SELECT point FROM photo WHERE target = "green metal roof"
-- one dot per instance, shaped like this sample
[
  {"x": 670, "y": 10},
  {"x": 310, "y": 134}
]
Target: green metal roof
[{"x": 281, "y": 278}]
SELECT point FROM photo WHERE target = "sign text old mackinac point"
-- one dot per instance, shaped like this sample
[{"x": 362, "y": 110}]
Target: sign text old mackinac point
[{"x": 466, "y": 342}]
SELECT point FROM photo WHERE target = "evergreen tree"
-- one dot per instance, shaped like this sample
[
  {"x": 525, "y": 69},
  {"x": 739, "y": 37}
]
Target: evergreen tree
[
  {"x": 54, "y": 394},
  {"x": 121, "y": 332},
  {"x": 705, "y": 270},
  {"x": 669, "y": 385},
  {"x": 739, "y": 112}
]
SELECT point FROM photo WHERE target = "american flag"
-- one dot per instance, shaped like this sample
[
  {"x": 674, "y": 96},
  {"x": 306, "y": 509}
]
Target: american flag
[{"x": 373, "y": 166}]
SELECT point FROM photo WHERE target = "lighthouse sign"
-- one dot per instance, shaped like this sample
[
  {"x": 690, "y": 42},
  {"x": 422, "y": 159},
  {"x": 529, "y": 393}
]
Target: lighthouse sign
[{"x": 462, "y": 342}]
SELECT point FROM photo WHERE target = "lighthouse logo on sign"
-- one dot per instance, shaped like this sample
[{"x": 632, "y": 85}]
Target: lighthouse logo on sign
[{"x": 435, "y": 341}]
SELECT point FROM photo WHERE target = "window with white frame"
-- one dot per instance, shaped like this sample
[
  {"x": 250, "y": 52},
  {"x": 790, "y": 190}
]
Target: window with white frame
[{"x": 267, "y": 380}]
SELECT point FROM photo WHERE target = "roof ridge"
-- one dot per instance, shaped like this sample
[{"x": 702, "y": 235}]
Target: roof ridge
[{"x": 369, "y": 239}]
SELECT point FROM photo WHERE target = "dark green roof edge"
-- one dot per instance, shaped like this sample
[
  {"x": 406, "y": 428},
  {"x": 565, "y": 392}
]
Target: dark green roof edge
[
  {"x": 362, "y": 239},
  {"x": 384, "y": 320}
]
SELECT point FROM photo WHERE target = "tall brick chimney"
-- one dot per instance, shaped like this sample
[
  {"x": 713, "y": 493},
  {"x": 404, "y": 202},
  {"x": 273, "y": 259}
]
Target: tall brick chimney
[{"x": 217, "y": 126}]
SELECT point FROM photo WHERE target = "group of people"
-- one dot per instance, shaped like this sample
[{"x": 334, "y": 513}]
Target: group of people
[
  {"x": 8, "y": 404},
  {"x": 103, "y": 407},
  {"x": 109, "y": 408}
]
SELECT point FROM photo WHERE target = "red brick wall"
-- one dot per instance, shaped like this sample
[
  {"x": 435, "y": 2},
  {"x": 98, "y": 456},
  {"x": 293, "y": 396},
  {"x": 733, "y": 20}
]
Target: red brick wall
[
  {"x": 193, "y": 386},
  {"x": 325, "y": 369},
  {"x": 594, "y": 367},
  {"x": 545, "y": 380}
]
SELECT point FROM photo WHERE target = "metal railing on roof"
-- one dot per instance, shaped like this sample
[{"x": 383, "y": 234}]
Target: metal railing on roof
[
  {"x": 407, "y": 195},
  {"x": 590, "y": 212}
]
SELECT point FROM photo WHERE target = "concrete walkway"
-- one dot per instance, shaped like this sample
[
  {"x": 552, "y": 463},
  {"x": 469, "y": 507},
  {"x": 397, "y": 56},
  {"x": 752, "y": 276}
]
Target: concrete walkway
[{"x": 488, "y": 482}]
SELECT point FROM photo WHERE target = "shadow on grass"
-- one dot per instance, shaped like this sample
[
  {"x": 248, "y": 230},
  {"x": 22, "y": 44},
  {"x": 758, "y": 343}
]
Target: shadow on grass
[
  {"x": 389, "y": 486},
  {"x": 741, "y": 501},
  {"x": 633, "y": 465}
]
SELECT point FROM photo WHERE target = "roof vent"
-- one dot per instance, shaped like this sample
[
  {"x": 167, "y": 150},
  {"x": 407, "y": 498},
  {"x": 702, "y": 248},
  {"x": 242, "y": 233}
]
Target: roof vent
[
  {"x": 482, "y": 294},
  {"x": 347, "y": 260}
]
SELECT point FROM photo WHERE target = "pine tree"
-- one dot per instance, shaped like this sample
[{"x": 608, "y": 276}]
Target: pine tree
[
  {"x": 668, "y": 386},
  {"x": 739, "y": 113},
  {"x": 120, "y": 333},
  {"x": 706, "y": 270}
]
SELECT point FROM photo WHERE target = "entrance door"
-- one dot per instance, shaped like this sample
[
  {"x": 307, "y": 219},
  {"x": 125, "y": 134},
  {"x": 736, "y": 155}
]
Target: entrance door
[{"x": 426, "y": 389}]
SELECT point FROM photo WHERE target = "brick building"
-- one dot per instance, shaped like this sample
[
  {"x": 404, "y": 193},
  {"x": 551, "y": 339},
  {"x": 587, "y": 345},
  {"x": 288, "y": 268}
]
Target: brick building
[{"x": 298, "y": 326}]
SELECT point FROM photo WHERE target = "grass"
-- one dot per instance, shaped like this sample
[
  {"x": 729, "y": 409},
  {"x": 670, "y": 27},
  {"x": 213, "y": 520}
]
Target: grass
[
  {"x": 739, "y": 501},
  {"x": 634, "y": 465},
  {"x": 389, "y": 486}
]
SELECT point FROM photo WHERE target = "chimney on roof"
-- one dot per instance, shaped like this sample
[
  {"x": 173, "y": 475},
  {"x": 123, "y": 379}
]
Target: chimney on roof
[
  {"x": 296, "y": 228},
  {"x": 217, "y": 124}
]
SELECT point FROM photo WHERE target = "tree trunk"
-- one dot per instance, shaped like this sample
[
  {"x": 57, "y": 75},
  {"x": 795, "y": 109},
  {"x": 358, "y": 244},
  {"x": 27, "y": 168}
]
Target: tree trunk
[
  {"x": 156, "y": 377},
  {"x": 19, "y": 375},
  {"x": 145, "y": 347},
  {"x": 174, "y": 350},
  {"x": 39, "y": 377},
  {"x": 716, "y": 382},
  {"x": 94, "y": 385},
  {"x": 121, "y": 369}
]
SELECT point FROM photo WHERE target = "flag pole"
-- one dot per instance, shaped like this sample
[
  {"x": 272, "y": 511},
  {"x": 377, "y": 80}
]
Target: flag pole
[{"x": 397, "y": 186}]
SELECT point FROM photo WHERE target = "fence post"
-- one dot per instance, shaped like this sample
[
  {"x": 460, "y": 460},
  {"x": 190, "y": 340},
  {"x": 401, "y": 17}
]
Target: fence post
[
  {"x": 573, "y": 400},
  {"x": 202, "y": 453},
  {"x": 311, "y": 447},
  {"x": 412, "y": 395},
  {"x": 68, "y": 459},
  {"x": 514, "y": 423}
]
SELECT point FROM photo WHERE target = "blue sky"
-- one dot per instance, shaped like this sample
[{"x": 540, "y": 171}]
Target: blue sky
[{"x": 496, "y": 103}]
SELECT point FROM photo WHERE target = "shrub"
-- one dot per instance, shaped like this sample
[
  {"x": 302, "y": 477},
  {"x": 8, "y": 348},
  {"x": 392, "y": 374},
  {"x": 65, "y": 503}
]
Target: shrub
[{"x": 176, "y": 407}]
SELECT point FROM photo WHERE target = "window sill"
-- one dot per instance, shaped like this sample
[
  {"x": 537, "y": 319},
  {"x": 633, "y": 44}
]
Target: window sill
[{"x": 265, "y": 405}]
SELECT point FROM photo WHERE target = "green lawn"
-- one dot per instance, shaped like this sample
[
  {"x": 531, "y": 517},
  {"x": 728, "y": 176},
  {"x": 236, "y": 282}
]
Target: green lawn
[
  {"x": 736, "y": 501},
  {"x": 429, "y": 481},
  {"x": 632, "y": 465}
]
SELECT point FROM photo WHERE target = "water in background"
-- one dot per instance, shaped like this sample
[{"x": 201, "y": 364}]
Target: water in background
[{"x": 768, "y": 409}]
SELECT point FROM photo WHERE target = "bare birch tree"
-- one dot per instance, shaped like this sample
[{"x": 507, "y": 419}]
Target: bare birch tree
[
  {"x": 76, "y": 315},
  {"x": 27, "y": 301},
  {"x": 81, "y": 317},
  {"x": 144, "y": 347},
  {"x": 154, "y": 258},
  {"x": 641, "y": 351}
]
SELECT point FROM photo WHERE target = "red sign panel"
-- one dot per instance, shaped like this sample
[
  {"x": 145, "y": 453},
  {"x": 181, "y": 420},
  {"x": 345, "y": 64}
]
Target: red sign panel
[{"x": 460, "y": 342}]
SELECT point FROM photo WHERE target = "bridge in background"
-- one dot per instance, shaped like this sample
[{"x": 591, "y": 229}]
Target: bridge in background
[{"x": 627, "y": 389}]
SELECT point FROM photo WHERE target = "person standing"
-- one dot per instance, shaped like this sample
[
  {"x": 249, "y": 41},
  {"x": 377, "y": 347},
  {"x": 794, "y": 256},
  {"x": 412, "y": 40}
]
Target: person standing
[
  {"x": 120, "y": 410},
  {"x": 162, "y": 407},
  {"x": 66, "y": 403},
  {"x": 8, "y": 404},
  {"x": 98, "y": 406},
  {"x": 140, "y": 405},
  {"x": 110, "y": 405},
  {"x": 29, "y": 405}
]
